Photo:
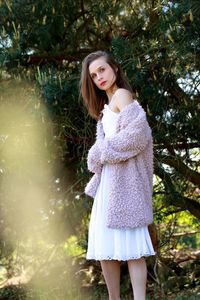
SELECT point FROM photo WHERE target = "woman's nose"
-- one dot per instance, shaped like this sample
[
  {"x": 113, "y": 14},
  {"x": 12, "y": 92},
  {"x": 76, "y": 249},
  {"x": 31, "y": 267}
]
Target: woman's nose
[{"x": 99, "y": 76}]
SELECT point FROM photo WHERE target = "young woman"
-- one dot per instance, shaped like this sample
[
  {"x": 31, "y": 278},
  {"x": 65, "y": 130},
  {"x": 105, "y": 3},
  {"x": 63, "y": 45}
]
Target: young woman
[{"x": 122, "y": 162}]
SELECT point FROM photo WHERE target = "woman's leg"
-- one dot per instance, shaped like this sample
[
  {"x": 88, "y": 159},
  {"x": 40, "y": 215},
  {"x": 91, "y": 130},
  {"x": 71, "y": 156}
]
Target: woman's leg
[
  {"x": 138, "y": 274},
  {"x": 111, "y": 273}
]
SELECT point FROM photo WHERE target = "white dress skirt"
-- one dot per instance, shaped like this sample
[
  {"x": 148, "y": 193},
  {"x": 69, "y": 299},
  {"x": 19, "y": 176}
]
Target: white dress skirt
[{"x": 113, "y": 244}]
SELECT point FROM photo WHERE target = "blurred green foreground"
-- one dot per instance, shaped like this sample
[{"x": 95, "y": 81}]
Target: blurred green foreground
[{"x": 45, "y": 134}]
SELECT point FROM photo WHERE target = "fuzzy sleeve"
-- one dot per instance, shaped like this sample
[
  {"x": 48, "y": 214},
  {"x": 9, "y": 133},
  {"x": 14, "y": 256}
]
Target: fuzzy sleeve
[
  {"x": 94, "y": 154},
  {"x": 128, "y": 142},
  {"x": 94, "y": 159},
  {"x": 92, "y": 185}
]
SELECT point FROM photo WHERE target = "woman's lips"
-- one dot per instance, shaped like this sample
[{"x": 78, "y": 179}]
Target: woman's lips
[{"x": 102, "y": 83}]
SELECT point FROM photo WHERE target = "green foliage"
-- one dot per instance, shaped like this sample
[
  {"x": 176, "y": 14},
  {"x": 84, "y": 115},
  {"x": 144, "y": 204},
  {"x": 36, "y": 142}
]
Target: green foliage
[
  {"x": 72, "y": 248},
  {"x": 157, "y": 43}
]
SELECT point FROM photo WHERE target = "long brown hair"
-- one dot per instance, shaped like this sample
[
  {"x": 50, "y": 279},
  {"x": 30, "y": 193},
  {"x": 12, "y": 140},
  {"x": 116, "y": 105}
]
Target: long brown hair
[{"x": 94, "y": 98}]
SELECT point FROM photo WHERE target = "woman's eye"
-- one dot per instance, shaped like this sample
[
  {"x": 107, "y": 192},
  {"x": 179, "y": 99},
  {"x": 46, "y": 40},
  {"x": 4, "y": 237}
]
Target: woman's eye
[
  {"x": 93, "y": 76},
  {"x": 102, "y": 69}
]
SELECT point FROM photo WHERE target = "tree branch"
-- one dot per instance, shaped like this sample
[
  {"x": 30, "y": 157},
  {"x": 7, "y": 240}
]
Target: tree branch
[
  {"x": 176, "y": 163},
  {"x": 177, "y": 146},
  {"x": 173, "y": 197}
]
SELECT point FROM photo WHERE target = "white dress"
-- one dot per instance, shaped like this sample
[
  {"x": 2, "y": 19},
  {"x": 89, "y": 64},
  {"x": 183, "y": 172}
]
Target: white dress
[{"x": 105, "y": 243}]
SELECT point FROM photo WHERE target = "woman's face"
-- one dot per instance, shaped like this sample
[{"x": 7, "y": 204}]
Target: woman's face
[{"x": 102, "y": 74}]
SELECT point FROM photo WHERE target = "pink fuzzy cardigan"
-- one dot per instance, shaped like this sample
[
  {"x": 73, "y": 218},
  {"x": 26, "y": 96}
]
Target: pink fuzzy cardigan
[{"x": 130, "y": 154}]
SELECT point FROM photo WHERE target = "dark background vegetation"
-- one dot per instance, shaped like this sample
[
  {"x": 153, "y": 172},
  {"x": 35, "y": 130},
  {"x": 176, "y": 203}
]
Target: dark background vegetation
[{"x": 45, "y": 133}]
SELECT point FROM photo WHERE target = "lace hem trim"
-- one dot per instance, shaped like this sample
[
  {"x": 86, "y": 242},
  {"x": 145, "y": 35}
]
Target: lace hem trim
[{"x": 115, "y": 257}]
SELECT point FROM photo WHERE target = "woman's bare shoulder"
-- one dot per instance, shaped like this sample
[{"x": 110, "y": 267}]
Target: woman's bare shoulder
[{"x": 123, "y": 97}]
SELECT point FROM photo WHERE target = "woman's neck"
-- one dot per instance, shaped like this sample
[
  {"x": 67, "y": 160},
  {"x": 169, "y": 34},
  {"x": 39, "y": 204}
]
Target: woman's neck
[{"x": 110, "y": 92}]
